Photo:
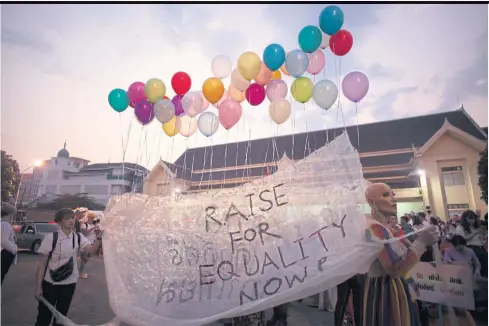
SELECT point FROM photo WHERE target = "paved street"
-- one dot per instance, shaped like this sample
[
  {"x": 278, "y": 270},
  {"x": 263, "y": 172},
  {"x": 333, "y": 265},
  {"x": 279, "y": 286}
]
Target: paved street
[{"x": 91, "y": 304}]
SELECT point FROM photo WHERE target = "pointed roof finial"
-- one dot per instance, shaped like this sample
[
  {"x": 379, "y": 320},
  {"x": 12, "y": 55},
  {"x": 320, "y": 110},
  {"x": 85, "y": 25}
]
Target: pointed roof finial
[{"x": 64, "y": 145}]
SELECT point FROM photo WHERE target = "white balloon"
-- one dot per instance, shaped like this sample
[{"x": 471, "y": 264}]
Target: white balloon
[
  {"x": 238, "y": 81},
  {"x": 325, "y": 94},
  {"x": 164, "y": 110},
  {"x": 208, "y": 123},
  {"x": 193, "y": 103},
  {"x": 221, "y": 66},
  {"x": 279, "y": 110},
  {"x": 325, "y": 41},
  {"x": 186, "y": 125}
]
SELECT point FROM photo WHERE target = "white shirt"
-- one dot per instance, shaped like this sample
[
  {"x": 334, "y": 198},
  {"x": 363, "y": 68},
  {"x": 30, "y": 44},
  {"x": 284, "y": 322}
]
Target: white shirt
[
  {"x": 8, "y": 238},
  {"x": 91, "y": 236},
  {"x": 62, "y": 253},
  {"x": 477, "y": 240}
]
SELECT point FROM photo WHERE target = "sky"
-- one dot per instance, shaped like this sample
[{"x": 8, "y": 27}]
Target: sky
[{"x": 60, "y": 61}]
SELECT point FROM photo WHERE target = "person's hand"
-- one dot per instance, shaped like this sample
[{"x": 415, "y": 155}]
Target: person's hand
[
  {"x": 38, "y": 293},
  {"x": 429, "y": 236},
  {"x": 477, "y": 273}
]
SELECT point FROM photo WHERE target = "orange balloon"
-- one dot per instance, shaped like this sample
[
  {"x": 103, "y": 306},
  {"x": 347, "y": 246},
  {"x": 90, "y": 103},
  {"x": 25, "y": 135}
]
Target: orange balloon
[
  {"x": 236, "y": 95},
  {"x": 276, "y": 75},
  {"x": 264, "y": 75},
  {"x": 213, "y": 89}
]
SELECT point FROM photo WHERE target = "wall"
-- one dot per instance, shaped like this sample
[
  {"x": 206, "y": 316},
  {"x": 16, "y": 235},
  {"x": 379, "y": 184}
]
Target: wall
[{"x": 159, "y": 176}]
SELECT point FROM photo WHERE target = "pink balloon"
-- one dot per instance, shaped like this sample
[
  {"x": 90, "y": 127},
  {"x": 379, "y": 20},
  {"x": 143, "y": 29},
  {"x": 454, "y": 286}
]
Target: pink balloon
[
  {"x": 316, "y": 62},
  {"x": 264, "y": 75},
  {"x": 135, "y": 92},
  {"x": 206, "y": 103},
  {"x": 224, "y": 97},
  {"x": 229, "y": 113},
  {"x": 255, "y": 94},
  {"x": 276, "y": 89}
]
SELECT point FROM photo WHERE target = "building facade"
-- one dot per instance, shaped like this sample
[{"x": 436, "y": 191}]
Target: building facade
[
  {"x": 72, "y": 175},
  {"x": 25, "y": 187},
  {"x": 428, "y": 160}
]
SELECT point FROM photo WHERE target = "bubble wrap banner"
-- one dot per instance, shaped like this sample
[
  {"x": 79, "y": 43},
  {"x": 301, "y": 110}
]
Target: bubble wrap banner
[{"x": 197, "y": 258}]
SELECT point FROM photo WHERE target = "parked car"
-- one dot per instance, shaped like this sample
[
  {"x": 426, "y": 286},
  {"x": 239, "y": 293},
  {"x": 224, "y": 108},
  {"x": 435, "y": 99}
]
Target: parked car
[{"x": 31, "y": 235}]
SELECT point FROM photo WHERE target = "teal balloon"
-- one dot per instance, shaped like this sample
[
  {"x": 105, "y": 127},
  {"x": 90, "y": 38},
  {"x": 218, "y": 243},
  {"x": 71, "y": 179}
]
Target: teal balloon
[
  {"x": 118, "y": 99},
  {"x": 310, "y": 38},
  {"x": 274, "y": 56},
  {"x": 331, "y": 20},
  {"x": 296, "y": 63}
]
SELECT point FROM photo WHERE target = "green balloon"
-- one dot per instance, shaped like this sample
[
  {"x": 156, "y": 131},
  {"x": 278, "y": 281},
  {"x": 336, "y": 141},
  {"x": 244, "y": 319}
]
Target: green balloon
[{"x": 118, "y": 99}]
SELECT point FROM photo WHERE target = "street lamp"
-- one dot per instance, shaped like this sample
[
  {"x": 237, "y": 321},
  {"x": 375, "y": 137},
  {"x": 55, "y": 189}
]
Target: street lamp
[{"x": 36, "y": 163}]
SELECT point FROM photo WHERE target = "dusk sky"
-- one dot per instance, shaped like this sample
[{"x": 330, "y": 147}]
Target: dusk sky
[{"x": 59, "y": 62}]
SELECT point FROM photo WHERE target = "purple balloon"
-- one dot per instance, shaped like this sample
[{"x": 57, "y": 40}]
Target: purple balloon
[
  {"x": 177, "y": 102},
  {"x": 355, "y": 86},
  {"x": 144, "y": 112}
]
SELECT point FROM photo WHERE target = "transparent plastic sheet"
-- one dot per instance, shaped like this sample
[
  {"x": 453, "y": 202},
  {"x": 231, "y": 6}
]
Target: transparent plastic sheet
[{"x": 167, "y": 263}]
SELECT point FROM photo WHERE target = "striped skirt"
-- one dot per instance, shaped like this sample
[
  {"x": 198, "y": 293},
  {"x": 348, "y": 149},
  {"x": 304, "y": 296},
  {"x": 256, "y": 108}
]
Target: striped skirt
[{"x": 388, "y": 302}]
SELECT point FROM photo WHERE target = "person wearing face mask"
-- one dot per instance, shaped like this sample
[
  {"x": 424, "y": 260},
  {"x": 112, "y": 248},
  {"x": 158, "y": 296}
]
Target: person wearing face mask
[
  {"x": 470, "y": 228},
  {"x": 386, "y": 274}
]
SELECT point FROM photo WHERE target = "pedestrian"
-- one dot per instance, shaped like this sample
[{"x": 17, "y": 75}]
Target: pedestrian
[
  {"x": 57, "y": 271},
  {"x": 9, "y": 248},
  {"x": 354, "y": 285},
  {"x": 470, "y": 228},
  {"x": 89, "y": 230}
]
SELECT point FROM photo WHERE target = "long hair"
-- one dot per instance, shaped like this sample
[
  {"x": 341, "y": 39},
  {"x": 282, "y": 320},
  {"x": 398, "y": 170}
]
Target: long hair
[{"x": 465, "y": 223}]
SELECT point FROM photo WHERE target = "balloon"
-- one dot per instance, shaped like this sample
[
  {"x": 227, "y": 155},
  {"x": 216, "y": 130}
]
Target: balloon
[
  {"x": 181, "y": 82},
  {"x": 276, "y": 75},
  {"x": 355, "y": 86},
  {"x": 276, "y": 89},
  {"x": 221, "y": 66},
  {"x": 238, "y": 81},
  {"x": 274, "y": 56},
  {"x": 208, "y": 123},
  {"x": 132, "y": 104},
  {"x": 206, "y": 103},
  {"x": 324, "y": 41},
  {"x": 236, "y": 95},
  {"x": 325, "y": 94},
  {"x": 296, "y": 63},
  {"x": 301, "y": 89},
  {"x": 186, "y": 125},
  {"x": 118, "y": 99},
  {"x": 224, "y": 97},
  {"x": 264, "y": 75},
  {"x": 136, "y": 92},
  {"x": 331, "y": 19},
  {"x": 144, "y": 112},
  {"x": 229, "y": 113},
  {"x": 310, "y": 39},
  {"x": 249, "y": 64},
  {"x": 154, "y": 90},
  {"x": 279, "y": 110},
  {"x": 164, "y": 110},
  {"x": 213, "y": 89},
  {"x": 284, "y": 70},
  {"x": 255, "y": 94},
  {"x": 170, "y": 127},
  {"x": 316, "y": 62},
  {"x": 192, "y": 103},
  {"x": 341, "y": 43},
  {"x": 177, "y": 103}
]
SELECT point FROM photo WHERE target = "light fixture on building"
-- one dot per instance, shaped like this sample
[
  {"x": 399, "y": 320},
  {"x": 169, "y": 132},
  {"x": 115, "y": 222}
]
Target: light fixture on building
[
  {"x": 177, "y": 190},
  {"x": 420, "y": 172}
]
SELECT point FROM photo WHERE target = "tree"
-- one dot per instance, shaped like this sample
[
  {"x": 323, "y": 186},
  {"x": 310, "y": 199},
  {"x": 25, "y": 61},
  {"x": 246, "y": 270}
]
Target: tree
[
  {"x": 71, "y": 201},
  {"x": 482, "y": 171},
  {"x": 10, "y": 177}
]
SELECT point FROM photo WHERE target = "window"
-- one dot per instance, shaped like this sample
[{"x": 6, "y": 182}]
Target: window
[
  {"x": 96, "y": 189},
  {"x": 456, "y": 209},
  {"x": 453, "y": 176},
  {"x": 55, "y": 161},
  {"x": 53, "y": 175},
  {"x": 70, "y": 190},
  {"x": 117, "y": 189},
  {"x": 50, "y": 189},
  {"x": 47, "y": 228}
]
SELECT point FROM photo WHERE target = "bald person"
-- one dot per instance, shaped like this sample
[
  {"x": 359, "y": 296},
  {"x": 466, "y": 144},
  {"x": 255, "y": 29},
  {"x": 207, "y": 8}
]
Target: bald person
[{"x": 387, "y": 300}]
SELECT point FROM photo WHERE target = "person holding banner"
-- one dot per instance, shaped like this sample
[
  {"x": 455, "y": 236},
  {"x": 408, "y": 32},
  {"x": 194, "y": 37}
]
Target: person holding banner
[
  {"x": 387, "y": 298},
  {"x": 470, "y": 228}
]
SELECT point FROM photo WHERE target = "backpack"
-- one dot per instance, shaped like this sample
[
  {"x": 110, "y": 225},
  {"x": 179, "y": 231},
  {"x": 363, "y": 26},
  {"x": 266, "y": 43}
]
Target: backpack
[{"x": 77, "y": 226}]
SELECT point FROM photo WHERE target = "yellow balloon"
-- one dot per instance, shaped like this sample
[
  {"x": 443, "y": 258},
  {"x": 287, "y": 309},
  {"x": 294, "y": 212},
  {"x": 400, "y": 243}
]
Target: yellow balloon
[
  {"x": 170, "y": 127},
  {"x": 301, "y": 89},
  {"x": 213, "y": 89},
  {"x": 277, "y": 75},
  {"x": 154, "y": 89},
  {"x": 249, "y": 65},
  {"x": 236, "y": 95}
]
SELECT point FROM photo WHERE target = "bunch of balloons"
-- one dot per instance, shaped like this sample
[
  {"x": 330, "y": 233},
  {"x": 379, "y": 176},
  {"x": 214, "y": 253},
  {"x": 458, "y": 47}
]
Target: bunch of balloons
[{"x": 253, "y": 79}]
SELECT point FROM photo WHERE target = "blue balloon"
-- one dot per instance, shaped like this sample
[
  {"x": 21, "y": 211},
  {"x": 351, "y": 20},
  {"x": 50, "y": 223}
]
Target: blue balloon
[
  {"x": 296, "y": 63},
  {"x": 118, "y": 99},
  {"x": 331, "y": 19},
  {"x": 310, "y": 38},
  {"x": 274, "y": 56}
]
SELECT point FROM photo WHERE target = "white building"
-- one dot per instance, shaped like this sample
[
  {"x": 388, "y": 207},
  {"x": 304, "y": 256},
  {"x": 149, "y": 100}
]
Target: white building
[{"x": 72, "y": 175}]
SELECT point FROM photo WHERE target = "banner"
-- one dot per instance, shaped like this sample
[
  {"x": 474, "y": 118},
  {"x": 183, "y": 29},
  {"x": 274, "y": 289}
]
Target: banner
[
  {"x": 200, "y": 257},
  {"x": 430, "y": 287}
]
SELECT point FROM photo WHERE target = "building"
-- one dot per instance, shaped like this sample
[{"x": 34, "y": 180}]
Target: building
[
  {"x": 64, "y": 174},
  {"x": 25, "y": 188},
  {"x": 427, "y": 160}
]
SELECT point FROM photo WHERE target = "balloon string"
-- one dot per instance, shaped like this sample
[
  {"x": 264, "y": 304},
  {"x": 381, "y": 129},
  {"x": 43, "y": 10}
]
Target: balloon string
[
  {"x": 122, "y": 143},
  {"x": 133, "y": 190},
  {"x": 205, "y": 158},
  {"x": 358, "y": 128},
  {"x": 193, "y": 155},
  {"x": 225, "y": 159},
  {"x": 124, "y": 149}
]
